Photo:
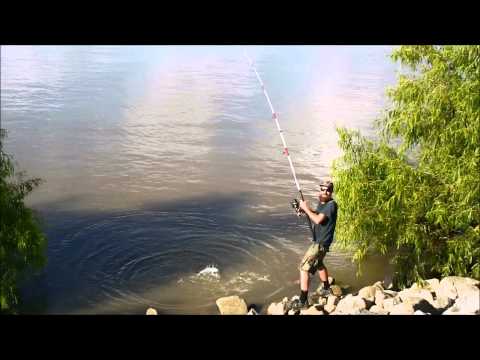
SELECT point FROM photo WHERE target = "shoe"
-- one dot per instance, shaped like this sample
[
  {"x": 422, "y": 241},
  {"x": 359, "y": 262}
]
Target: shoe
[
  {"x": 325, "y": 292},
  {"x": 297, "y": 305}
]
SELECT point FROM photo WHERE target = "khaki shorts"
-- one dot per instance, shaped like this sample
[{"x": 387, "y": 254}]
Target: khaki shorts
[{"x": 313, "y": 259}]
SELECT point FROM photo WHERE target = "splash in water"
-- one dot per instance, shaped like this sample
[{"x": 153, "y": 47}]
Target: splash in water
[{"x": 209, "y": 272}]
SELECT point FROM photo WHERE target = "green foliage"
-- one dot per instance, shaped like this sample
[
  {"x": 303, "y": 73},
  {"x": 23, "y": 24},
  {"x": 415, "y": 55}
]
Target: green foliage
[
  {"x": 22, "y": 243},
  {"x": 414, "y": 192}
]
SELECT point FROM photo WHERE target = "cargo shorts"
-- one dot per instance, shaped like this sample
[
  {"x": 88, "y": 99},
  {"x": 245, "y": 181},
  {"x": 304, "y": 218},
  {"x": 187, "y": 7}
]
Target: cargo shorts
[{"x": 313, "y": 259}]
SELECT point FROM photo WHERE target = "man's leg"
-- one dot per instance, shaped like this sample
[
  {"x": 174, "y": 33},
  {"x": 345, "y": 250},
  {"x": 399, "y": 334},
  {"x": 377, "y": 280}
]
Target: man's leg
[
  {"x": 304, "y": 280},
  {"x": 323, "y": 274}
]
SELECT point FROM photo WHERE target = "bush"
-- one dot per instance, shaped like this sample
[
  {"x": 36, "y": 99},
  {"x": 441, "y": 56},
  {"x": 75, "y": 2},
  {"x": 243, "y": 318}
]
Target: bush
[
  {"x": 22, "y": 243},
  {"x": 413, "y": 193}
]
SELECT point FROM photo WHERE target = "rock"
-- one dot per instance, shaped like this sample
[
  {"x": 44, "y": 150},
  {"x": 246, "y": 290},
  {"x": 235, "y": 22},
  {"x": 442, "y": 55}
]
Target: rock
[
  {"x": 336, "y": 290},
  {"x": 433, "y": 285},
  {"x": 390, "y": 293},
  {"x": 332, "y": 300},
  {"x": 469, "y": 301},
  {"x": 351, "y": 304},
  {"x": 312, "y": 310},
  {"x": 420, "y": 312},
  {"x": 402, "y": 309},
  {"x": 378, "y": 310},
  {"x": 276, "y": 308},
  {"x": 379, "y": 298},
  {"x": 329, "y": 308},
  {"x": 151, "y": 311},
  {"x": 379, "y": 285},
  {"x": 232, "y": 305},
  {"x": 443, "y": 302},
  {"x": 455, "y": 310},
  {"x": 388, "y": 304},
  {"x": 414, "y": 294},
  {"x": 291, "y": 312},
  {"x": 368, "y": 293},
  {"x": 322, "y": 301},
  {"x": 455, "y": 286},
  {"x": 252, "y": 311}
]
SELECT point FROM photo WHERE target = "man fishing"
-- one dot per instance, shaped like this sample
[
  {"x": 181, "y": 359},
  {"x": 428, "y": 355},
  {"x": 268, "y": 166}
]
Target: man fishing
[{"x": 324, "y": 219}]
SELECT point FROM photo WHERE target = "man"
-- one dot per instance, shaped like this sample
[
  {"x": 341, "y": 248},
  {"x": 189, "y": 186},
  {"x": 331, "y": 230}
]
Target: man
[{"x": 324, "y": 219}]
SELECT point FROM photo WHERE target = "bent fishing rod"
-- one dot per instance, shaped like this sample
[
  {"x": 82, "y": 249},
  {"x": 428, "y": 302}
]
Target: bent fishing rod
[{"x": 285, "y": 148}]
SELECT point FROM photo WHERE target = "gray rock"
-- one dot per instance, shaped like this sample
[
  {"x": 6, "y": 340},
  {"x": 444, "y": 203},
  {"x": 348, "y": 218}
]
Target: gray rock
[
  {"x": 379, "y": 298},
  {"x": 442, "y": 303},
  {"x": 312, "y": 310},
  {"x": 455, "y": 310},
  {"x": 329, "y": 308},
  {"x": 151, "y": 311},
  {"x": 332, "y": 300},
  {"x": 469, "y": 301},
  {"x": 368, "y": 293},
  {"x": 455, "y": 286},
  {"x": 402, "y": 309},
  {"x": 390, "y": 293},
  {"x": 433, "y": 285},
  {"x": 232, "y": 305},
  {"x": 378, "y": 310},
  {"x": 389, "y": 303},
  {"x": 351, "y": 305},
  {"x": 416, "y": 293},
  {"x": 276, "y": 309}
]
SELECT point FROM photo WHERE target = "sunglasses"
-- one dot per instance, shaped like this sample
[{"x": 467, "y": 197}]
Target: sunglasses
[{"x": 324, "y": 189}]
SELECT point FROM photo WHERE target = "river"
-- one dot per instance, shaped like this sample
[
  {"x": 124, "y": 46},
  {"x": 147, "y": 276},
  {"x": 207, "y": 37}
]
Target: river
[{"x": 158, "y": 161}]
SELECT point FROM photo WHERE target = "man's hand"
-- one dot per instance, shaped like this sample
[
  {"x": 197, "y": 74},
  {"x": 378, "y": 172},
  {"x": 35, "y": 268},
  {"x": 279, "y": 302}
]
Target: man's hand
[{"x": 303, "y": 205}]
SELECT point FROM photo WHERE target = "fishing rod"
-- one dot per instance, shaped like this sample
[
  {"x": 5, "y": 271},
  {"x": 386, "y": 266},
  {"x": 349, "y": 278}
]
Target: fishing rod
[{"x": 285, "y": 148}]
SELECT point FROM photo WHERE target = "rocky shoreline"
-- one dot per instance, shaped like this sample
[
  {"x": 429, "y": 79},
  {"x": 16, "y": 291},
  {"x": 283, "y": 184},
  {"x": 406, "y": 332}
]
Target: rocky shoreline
[{"x": 452, "y": 295}]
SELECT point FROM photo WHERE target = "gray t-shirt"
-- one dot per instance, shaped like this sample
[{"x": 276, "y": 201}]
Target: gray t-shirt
[{"x": 324, "y": 232}]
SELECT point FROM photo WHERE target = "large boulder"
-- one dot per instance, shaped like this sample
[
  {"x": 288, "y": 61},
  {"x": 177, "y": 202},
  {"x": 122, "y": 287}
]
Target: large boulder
[
  {"x": 416, "y": 293},
  {"x": 442, "y": 303},
  {"x": 390, "y": 293},
  {"x": 232, "y": 305},
  {"x": 332, "y": 300},
  {"x": 402, "y": 309},
  {"x": 379, "y": 298},
  {"x": 469, "y": 301},
  {"x": 455, "y": 286},
  {"x": 368, "y": 293},
  {"x": 312, "y": 310},
  {"x": 351, "y": 305},
  {"x": 378, "y": 310},
  {"x": 276, "y": 309},
  {"x": 433, "y": 285},
  {"x": 329, "y": 308},
  {"x": 389, "y": 303}
]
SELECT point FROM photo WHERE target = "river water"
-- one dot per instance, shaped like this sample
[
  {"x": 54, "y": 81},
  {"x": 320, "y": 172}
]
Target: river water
[{"x": 158, "y": 161}]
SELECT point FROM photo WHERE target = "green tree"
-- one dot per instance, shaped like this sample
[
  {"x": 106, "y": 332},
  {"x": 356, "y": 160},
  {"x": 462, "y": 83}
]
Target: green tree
[
  {"x": 413, "y": 192},
  {"x": 22, "y": 243}
]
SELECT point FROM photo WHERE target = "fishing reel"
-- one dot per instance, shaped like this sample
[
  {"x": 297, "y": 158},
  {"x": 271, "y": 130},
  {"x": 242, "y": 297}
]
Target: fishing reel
[{"x": 296, "y": 205}]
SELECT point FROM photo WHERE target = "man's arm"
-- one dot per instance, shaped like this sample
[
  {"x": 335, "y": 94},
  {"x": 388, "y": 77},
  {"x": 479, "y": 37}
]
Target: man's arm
[{"x": 316, "y": 218}]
